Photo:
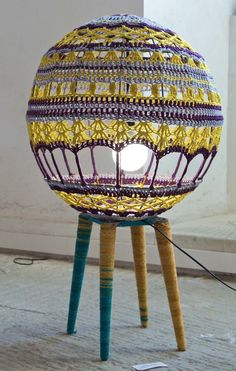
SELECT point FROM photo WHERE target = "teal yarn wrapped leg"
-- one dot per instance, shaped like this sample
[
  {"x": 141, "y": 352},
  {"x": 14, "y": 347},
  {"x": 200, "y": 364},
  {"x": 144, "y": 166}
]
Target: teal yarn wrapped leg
[
  {"x": 107, "y": 258},
  {"x": 81, "y": 251}
]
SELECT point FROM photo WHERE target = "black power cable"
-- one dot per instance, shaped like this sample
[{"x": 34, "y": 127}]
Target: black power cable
[
  {"x": 191, "y": 257},
  {"x": 27, "y": 261}
]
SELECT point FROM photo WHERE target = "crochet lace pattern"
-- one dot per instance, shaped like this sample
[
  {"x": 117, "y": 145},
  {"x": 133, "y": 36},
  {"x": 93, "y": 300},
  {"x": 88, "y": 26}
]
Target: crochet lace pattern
[{"x": 112, "y": 82}]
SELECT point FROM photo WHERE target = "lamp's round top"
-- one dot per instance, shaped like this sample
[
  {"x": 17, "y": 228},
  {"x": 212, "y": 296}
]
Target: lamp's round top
[
  {"x": 116, "y": 81},
  {"x": 126, "y": 19}
]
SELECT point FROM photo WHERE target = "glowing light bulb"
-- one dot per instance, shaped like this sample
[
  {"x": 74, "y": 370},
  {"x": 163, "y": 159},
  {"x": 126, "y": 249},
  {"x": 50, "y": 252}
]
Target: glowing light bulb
[{"x": 132, "y": 157}]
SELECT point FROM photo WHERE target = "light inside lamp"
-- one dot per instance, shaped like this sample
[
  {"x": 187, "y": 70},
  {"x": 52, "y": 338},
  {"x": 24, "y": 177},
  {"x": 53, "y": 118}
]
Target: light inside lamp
[{"x": 132, "y": 157}]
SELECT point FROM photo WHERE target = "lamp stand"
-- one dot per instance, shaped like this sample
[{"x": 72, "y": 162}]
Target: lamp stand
[{"x": 107, "y": 259}]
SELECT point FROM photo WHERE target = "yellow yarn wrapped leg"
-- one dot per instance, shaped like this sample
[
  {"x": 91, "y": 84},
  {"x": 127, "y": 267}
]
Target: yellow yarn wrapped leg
[
  {"x": 140, "y": 265},
  {"x": 167, "y": 257},
  {"x": 107, "y": 258}
]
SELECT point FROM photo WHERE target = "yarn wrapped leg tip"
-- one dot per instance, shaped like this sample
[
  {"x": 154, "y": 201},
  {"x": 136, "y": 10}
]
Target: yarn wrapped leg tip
[
  {"x": 71, "y": 332},
  {"x": 144, "y": 324},
  {"x": 182, "y": 348},
  {"x": 104, "y": 357}
]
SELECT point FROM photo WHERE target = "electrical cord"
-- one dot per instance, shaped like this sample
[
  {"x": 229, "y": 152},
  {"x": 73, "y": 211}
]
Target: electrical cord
[
  {"x": 27, "y": 261},
  {"x": 191, "y": 257}
]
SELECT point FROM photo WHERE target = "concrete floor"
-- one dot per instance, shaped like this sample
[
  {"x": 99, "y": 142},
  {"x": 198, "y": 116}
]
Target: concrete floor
[{"x": 33, "y": 312}]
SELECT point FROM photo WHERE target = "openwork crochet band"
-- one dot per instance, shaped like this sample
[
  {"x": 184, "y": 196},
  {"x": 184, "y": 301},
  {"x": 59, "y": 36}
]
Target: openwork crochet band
[{"x": 116, "y": 81}]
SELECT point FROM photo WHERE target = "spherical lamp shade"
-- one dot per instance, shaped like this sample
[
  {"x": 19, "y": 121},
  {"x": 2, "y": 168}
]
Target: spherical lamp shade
[{"x": 124, "y": 119}]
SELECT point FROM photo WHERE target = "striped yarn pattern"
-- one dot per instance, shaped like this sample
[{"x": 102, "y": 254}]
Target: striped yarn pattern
[
  {"x": 116, "y": 81},
  {"x": 107, "y": 259},
  {"x": 140, "y": 266},
  {"x": 166, "y": 252},
  {"x": 81, "y": 251}
]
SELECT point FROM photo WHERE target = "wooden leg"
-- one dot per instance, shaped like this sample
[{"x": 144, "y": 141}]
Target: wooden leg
[
  {"x": 107, "y": 258},
  {"x": 140, "y": 265},
  {"x": 167, "y": 257},
  {"x": 81, "y": 251}
]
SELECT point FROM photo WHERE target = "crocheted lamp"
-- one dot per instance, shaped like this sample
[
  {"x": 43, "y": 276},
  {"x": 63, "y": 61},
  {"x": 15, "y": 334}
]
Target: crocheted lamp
[{"x": 123, "y": 87}]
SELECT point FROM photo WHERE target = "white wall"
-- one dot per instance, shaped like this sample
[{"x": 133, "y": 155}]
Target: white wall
[
  {"x": 231, "y": 145},
  {"x": 27, "y": 29},
  {"x": 205, "y": 25}
]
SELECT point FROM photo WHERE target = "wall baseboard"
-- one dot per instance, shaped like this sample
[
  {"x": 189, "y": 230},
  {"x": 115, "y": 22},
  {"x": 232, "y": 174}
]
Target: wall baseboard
[
  {"x": 57, "y": 239},
  {"x": 119, "y": 263}
]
